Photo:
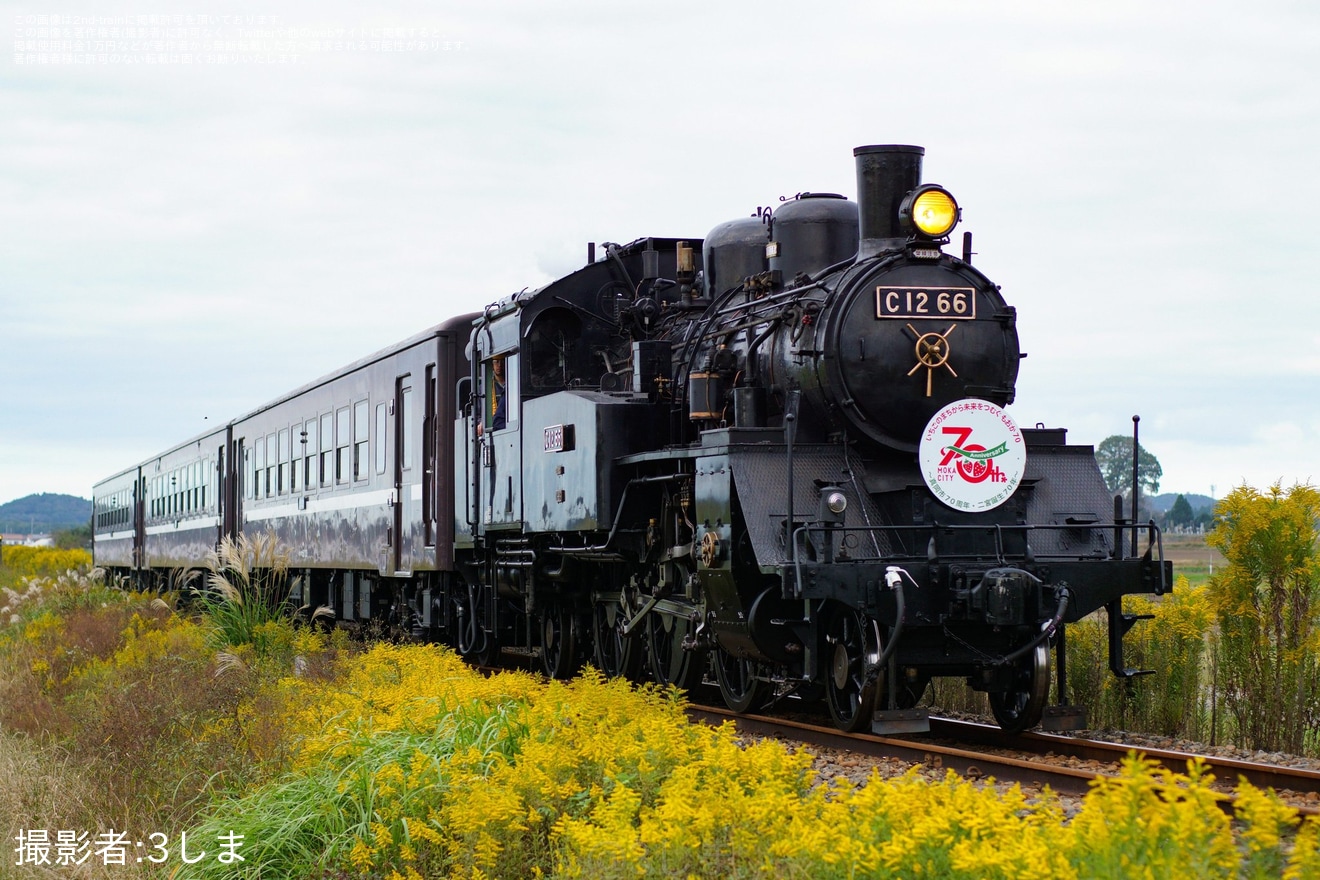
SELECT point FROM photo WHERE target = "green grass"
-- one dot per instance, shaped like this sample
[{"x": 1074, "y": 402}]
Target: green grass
[{"x": 1192, "y": 558}]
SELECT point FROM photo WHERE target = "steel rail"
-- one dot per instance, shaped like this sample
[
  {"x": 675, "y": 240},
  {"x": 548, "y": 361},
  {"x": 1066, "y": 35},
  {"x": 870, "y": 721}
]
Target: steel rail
[
  {"x": 1297, "y": 779},
  {"x": 1004, "y": 768}
]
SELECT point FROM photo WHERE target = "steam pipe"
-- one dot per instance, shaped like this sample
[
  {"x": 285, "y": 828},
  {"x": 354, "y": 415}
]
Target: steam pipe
[
  {"x": 894, "y": 581},
  {"x": 1064, "y": 595}
]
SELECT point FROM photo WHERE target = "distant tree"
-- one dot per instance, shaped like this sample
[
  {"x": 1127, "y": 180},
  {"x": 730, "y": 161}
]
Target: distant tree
[
  {"x": 1180, "y": 514},
  {"x": 77, "y": 538},
  {"x": 1114, "y": 455}
]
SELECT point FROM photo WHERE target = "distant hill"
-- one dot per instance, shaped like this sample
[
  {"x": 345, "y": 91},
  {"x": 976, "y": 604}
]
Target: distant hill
[
  {"x": 1162, "y": 503},
  {"x": 47, "y": 512}
]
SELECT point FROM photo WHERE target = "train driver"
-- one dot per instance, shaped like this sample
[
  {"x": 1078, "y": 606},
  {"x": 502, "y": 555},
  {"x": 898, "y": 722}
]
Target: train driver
[{"x": 495, "y": 398}]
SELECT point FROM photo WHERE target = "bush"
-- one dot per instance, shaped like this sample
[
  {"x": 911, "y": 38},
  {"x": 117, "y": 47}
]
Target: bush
[
  {"x": 115, "y": 687},
  {"x": 19, "y": 563},
  {"x": 1173, "y": 701},
  {"x": 1266, "y": 601},
  {"x": 412, "y": 765}
]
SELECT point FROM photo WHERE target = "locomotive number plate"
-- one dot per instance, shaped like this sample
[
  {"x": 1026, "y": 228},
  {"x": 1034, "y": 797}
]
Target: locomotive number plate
[
  {"x": 559, "y": 438},
  {"x": 945, "y": 303}
]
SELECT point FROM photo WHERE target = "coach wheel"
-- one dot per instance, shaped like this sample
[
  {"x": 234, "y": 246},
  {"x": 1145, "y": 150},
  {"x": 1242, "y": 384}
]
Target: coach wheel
[
  {"x": 1021, "y": 707},
  {"x": 559, "y": 642},
  {"x": 742, "y": 692},
  {"x": 472, "y": 639},
  {"x": 670, "y": 664},
  {"x": 615, "y": 654},
  {"x": 852, "y": 647}
]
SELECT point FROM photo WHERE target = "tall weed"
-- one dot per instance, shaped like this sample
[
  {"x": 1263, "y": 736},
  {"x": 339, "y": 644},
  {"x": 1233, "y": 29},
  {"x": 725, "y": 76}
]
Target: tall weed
[{"x": 246, "y": 588}]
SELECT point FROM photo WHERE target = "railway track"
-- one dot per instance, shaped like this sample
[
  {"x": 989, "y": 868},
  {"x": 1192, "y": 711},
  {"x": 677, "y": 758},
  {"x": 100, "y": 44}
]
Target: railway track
[
  {"x": 1280, "y": 778},
  {"x": 981, "y": 751}
]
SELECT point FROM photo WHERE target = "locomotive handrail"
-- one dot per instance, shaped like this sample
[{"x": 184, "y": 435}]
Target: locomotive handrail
[
  {"x": 588, "y": 551},
  {"x": 1154, "y": 546},
  {"x": 771, "y": 299}
]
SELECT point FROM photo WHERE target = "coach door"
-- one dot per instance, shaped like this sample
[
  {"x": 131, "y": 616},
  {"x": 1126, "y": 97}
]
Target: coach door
[
  {"x": 407, "y": 488},
  {"x": 140, "y": 521},
  {"x": 217, "y": 479},
  {"x": 234, "y": 477}
]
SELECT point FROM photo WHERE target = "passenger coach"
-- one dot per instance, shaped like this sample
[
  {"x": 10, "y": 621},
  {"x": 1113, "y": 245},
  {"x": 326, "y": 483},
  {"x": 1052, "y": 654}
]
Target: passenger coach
[{"x": 352, "y": 473}]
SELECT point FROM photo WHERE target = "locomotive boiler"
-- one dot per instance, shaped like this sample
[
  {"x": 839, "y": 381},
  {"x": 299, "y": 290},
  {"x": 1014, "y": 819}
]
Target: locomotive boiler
[{"x": 776, "y": 457}]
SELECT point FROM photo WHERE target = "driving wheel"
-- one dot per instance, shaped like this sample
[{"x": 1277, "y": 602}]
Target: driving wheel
[
  {"x": 741, "y": 690},
  {"x": 852, "y": 643}
]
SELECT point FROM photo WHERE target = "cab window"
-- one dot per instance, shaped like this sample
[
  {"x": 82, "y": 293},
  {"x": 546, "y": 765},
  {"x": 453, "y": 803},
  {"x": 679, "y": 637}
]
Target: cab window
[{"x": 501, "y": 382}]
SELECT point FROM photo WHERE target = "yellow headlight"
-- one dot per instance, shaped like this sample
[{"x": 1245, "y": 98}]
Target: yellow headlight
[{"x": 934, "y": 212}]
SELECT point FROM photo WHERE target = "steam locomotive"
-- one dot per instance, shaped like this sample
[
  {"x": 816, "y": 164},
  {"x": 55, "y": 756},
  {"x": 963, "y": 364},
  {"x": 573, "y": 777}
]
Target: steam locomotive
[{"x": 776, "y": 457}]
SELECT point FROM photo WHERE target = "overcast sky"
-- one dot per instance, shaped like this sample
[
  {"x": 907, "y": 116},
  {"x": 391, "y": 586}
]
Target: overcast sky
[{"x": 180, "y": 242}]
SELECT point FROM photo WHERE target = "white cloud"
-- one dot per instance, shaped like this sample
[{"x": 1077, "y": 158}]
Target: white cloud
[{"x": 1137, "y": 177}]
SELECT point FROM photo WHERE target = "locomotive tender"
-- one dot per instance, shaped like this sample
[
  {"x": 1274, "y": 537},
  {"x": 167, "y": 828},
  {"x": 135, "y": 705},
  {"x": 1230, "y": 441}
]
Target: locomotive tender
[{"x": 776, "y": 456}]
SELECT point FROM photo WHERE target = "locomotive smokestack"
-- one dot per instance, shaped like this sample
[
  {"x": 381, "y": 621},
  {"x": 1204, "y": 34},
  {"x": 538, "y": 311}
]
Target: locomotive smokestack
[{"x": 885, "y": 174}]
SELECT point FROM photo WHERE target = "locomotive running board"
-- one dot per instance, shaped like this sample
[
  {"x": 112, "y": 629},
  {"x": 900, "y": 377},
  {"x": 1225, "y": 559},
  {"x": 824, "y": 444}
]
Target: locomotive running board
[{"x": 886, "y": 722}]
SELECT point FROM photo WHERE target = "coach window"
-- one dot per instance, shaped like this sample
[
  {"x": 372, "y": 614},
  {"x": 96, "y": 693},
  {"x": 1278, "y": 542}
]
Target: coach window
[
  {"x": 258, "y": 466},
  {"x": 380, "y": 438},
  {"x": 207, "y": 473},
  {"x": 361, "y": 436},
  {"x": 284, "y": 461},
  {"x": 271, "y": 464},
  {"x": 309, "y": 454},
  {"x": 343, "y": 443},
  {"x": 327, "y": 449}
]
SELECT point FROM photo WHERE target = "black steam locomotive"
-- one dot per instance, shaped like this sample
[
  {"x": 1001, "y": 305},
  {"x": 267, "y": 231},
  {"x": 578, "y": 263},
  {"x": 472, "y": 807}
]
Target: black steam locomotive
[{"x": 777, "y": 456}]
